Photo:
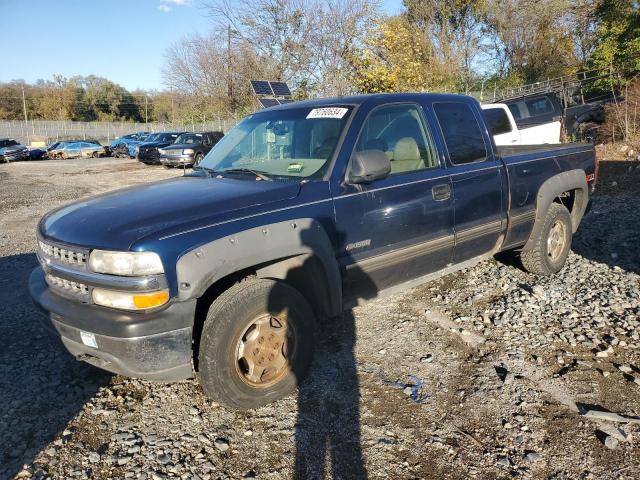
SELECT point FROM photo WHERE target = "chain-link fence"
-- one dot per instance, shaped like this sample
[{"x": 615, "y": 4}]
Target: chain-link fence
[{"x": 48, "y": 131}]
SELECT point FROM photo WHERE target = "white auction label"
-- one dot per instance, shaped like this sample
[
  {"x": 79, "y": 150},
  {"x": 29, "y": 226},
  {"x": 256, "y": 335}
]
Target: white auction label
[{"x": 328, "y": 112}]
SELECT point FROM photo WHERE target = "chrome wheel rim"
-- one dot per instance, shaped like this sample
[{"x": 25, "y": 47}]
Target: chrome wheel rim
[
  {"x": 262, "y": 356},
  {"x": 556, "y": 240}
]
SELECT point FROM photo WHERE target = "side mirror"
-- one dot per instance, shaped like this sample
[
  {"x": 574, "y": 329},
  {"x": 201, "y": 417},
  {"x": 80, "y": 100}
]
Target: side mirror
[{"x": 369, "y": 165}]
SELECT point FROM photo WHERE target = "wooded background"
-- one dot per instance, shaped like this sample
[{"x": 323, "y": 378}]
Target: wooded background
[{"x": 335, "y": 47}]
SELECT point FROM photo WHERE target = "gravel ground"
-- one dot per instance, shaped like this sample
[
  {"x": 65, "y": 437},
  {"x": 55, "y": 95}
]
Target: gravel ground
[{"x": 486, "y": 373}]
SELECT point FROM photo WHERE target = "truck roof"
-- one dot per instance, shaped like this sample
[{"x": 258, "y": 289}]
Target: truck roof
[{"x": 374, "y": 98}]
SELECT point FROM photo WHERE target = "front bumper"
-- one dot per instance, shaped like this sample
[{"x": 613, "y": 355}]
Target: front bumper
[
  {"x": 176, "y": 160},
  {"x": 154, "y": 346}
]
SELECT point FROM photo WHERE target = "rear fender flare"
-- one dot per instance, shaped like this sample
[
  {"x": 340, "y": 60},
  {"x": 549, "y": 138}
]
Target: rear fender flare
[
  {"x": 551, "y": 189},
  {"x": 272, "y": 250}
]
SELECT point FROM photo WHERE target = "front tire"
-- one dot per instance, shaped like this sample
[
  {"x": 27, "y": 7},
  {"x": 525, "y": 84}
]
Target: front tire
[
  {"x": 552, "y": 244},
  {"x": 256, "y": 344},
  {"x": 198, "y": 158}
]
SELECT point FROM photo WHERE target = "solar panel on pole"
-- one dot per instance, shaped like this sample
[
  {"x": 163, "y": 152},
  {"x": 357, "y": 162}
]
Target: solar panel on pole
[
  {"x": 261, "y": 87},
  {"x": 280, "y": 89},
  {"x": 268, "y": 102}
]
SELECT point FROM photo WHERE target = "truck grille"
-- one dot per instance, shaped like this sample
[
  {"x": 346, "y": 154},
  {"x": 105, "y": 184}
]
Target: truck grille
[
  {"x": 51, "y": 254},
  {"x": 67, "y": 288},
  {"x": 64, "y": 256}
]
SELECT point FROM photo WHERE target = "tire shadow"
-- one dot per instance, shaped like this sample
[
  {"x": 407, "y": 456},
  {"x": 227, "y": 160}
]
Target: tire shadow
[{"x": 42, "y": 387}]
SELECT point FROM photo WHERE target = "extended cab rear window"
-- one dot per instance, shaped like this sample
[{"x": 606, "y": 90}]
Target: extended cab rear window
[
  {"x": 497, "y": 120},
  {"x": 461, "y": 132}
]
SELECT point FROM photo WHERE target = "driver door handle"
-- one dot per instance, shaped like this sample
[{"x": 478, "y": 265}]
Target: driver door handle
[{"x": 441, "y": 192}]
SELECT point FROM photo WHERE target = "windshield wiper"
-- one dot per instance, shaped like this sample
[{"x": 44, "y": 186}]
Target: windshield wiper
[
  {"x": 209, "y": 172},
  {"x": 260, "y": 175}
]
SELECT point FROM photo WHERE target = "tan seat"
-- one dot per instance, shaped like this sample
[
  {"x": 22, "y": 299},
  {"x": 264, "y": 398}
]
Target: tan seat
[{"x": 406, "y": 156}]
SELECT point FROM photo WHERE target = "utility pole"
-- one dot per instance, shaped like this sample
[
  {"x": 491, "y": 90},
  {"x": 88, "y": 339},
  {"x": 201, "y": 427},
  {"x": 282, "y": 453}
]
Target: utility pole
[
  {"x": 146, "y": 112},
  {"x": 229, "y": 78},
  {"x": 26, "y": 121}
]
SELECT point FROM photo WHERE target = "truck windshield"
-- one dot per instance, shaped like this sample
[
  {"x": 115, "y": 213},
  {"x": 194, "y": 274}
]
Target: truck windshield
[
  {"x": 296, "y": 142},
  {"x": 189, "y": 138}
]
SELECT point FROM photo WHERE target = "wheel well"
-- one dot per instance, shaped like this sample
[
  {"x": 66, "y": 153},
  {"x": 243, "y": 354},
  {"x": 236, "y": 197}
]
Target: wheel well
[
  {"x": 205, "y": 301},
  {"x": 305, "y": 273},
  {"x": 567, "y": 199},
  {"x": 573, "y": 200}
]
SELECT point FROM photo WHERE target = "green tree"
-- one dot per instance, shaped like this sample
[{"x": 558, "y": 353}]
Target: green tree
[
  {"x": 395, "y": 58},
  {"x": 617, "y": 43}
]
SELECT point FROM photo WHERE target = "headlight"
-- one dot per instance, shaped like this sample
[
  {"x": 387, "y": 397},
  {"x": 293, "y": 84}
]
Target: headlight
[
  {"x": 187, "y": 151},
  {"x": 161, "y": 151},
  {"x": 129, "y": 301},
  {"x": 125, "y": 263},
  {"x": 136, "y": 149}
]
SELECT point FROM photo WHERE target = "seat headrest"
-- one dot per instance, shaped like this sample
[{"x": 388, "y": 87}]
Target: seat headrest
[{"x": 406, "y": 149}]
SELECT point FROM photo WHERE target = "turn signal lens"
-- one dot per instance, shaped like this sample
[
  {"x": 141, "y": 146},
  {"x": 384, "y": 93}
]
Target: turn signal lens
[
  {"x": 151, "y": 300},
  {"x": 129, "y": 301}
]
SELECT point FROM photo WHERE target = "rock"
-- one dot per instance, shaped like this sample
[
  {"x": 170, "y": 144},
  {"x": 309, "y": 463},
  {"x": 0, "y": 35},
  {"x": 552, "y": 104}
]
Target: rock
[
  {"x": 94, "y": 457},
  {"x": 611, "y": 442},
  {"x": 504, "y": 461},
  {"x": 532, "y": 457},
  {"x": 221, "y": 444},
  {"x": 428, "y": 358},
  {"x": 163, "y": 459}
]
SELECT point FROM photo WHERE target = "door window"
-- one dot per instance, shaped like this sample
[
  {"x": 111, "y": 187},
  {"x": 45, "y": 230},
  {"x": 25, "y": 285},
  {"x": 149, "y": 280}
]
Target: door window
[
  {"x": 461, "y": 132},
  {"x": 399, "y": 131}
]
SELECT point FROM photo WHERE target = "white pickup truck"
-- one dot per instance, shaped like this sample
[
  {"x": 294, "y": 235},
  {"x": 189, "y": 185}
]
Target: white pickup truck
[{"x": 524, "y": 128}]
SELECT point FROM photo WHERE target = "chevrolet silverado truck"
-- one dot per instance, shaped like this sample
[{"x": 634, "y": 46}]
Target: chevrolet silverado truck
[
  {"x": 189, "y": 149},
  {"x": 299, "y": 212}
]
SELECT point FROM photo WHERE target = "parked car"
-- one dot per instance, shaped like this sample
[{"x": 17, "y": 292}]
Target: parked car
[
  {"x": 78, "y": 149},
  {"x": 189, "y": 149},
  {"x": 54, "y": 149},
  {"x": 12, "y": 151},
  {"x": 147, "y": 152},
  {"x": 505, "y": 131},
  {"x": 126, "y": 139},
  {"x": 132, "y": 146},
  {"x": 37, "y": 153},
  {"x": 120, "y": 151},
  {"x": 301, "y": 210}
]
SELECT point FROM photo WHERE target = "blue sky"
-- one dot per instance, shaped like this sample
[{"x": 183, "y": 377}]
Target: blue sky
[{"x": 122, "y": 40}]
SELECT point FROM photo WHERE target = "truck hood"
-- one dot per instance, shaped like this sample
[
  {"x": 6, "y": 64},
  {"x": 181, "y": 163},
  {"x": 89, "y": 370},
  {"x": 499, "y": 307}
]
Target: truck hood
[
  {"x": 181, "y": 146},
  {"x": 116, "y": 220},
  {"x": 154, "y": 144}
]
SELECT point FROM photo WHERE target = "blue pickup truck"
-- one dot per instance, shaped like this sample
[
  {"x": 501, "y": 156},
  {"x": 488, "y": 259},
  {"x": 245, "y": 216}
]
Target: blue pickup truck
[{"x": 299, "y": 212}]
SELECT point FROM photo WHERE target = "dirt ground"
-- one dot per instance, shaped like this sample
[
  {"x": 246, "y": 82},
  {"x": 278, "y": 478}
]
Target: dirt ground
[{"x": 486, "y": 373}]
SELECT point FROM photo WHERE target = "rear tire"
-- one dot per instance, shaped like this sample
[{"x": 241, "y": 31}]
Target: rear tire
[
  {"x": 256, "y": 345},
  {"x": 552, "y": 244}
]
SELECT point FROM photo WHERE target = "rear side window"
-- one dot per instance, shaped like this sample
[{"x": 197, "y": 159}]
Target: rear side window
[
  {"x": 532, "y": 107},
  {"x": 497, "y": 120},
  {"x": 461, "y": 132}
]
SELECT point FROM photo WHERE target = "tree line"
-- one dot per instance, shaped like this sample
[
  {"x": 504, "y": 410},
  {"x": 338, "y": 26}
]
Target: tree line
[{"x": 336, "y": 47}]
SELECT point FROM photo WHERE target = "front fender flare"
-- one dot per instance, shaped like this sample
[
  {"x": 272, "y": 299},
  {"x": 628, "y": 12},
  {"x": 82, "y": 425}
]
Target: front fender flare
[{"x": 201, "y": 267}]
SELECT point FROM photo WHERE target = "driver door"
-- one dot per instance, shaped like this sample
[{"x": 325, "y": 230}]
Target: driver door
[{"x": 400, "y": 227}]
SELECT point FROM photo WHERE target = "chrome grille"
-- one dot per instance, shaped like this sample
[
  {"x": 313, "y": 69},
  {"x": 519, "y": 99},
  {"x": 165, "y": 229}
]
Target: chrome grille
[
  {"x": 75, "y": 290},
  {"x": 65, "y": 256}
]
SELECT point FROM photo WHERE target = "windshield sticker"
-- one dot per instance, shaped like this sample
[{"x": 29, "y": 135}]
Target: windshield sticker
[{"x": 328, "y": 112}]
